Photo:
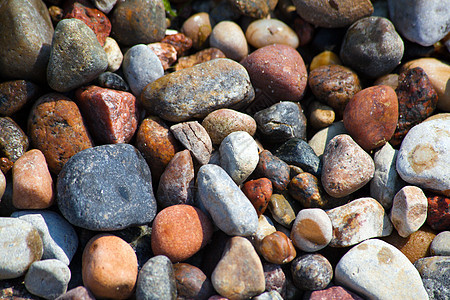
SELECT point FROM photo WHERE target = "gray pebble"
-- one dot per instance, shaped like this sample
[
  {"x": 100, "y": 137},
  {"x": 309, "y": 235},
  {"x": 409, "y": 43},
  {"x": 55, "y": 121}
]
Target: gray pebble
[
  {"x": 311, "y": 272},
  {"x": 299, "y": 153},
  {"x": 435, "y": 273},
  {"x": 105, "y": 5},
  {"x": 441, "y": 244},
  {"x": 156, "y": 280}
]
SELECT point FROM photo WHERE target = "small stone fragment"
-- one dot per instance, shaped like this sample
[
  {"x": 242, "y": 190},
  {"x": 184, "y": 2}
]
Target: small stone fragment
[
  {"x": 272, "y": 295},
  {"x": 320, "y": 115},
  {"x": 79, "y": 292},
  {"x": 265, "y": 228},
  {"x": 195, "y": 138},
  {"x": 441, "y": 244},
  {"x": 320, "y": 140},
  {"x": 265, "y": 32},
  {"x": 230, "y": 39},
  {"x": 2, "y": 184},
  {"x": 324, "y": 58},
  {"x": 277, "y": 248},
  {"x": 113, "y": 81},
  {"x": 312, "y": 230},
  {"x": 306, "y": 189},
  {"x": 179, "y": 41},
  {"x": 258, "y": 191},
  {"x": 282, "y": 210},
  {"x": 334, "y": 292},
  {"x": 192, "y": 282},
  {"x": 5, "y": 165},
  {"x": 297, "y": 152},
  {"x": 105, "y": 5},
  {"x": 257, "y": 9},
  {"x": 311, "y": 272},
  {"x": 275, "y": 278},
  {"x": 13, "y": 141}
]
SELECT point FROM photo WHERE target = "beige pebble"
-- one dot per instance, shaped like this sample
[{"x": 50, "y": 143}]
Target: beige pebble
[
  {"x": 323, "y": 59},
  {"x": 198, "y": 28},
  {"x": 264, "y": 32},
  {"x": 321, "y": 115},
  {"x": 312, "y": 230},
  {"x": 230, "y": 39},
  {"x": 113, "y": 54},
  {"x": 389, "y": 80}
]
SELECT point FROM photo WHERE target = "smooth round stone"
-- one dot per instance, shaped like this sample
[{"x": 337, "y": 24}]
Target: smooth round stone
[
  {"x": 277, "y": 248},
  {"x": 138, "y": 22},
  {"x": 229, "y": 208},
  {"x": 114, "y": 55},
  {"x": 239, "y": 273},
  {"x": 59, "y": 238},
  {"x": 258, "y": 191},
  {"x": 320, "y": 115},
  {"x": 281, "y": 122},
  {"x": 372, "y": 47},
  {"x": 441, "y": 244},
  {"x": 198, "y": 28},
  {"x": 424, "y": 156},
  {"x": 265, "y": 32},
  {"x": 324, "y": 58},
  {"x": 141, "y": 66},
  {"x": 219, "y": 83},
  {"x": 252, "y": 8},
  {"x": 109, "y": 267},
  {"x": 438, "y": 212},
  {"x": 2, "y": 184},
  {"x": 273, "y": 168},
  {"x": 320, "y": 140},
  {"x": 192, "y": 282},
  {"x": 76, "y": 56},
  {"x": 229, "y": 37},
  {"x": 105, "y": 5},
  {"x": 116, "y": 179},
  {"x": 282, "y": 210},
  {"x": 13, "y": 141},
  {"x": 239, "y": 155},
  {"x": 311, "y": 272},
  {"x": 377, "y": 108},
  {"x": 312, "y": 230},
  {"x": 156, "y": 280},
  {"x": 26, "y": 28},
  {"x": 434, "y": 272},
  {"x": 47, "y": 278},
  {"x": 21, "y": 246},
  {"x": 15, "y": 94},
  {"x": 113, "y": 81},
  {"x": 378, "y": 270},
  {"x": 297, "y": 152},
  {"x": 79, "y": 292}
]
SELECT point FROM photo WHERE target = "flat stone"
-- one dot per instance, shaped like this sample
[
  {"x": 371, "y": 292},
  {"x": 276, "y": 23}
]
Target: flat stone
[
  {"x": 13, "y": 141},
  {"x": 265, "y": 32},
  {"x": 311, "y": 272},
  {"x": 438, "y": 212},
  {"x": 79, "y": 292},
  {"x": 198, "y": 58},
  {"x": 434, "y": 272},
  {"x": 195, "y": 138},
  {"x": 282, "y": 210},
  {"x": 114, "y": 177},
  {"x": 378, "y": 270},
  {"x": 15, "y": 94},
  {"x": 273, "y": 168},
  {"x": 230, "y": 39},
  {"x": 229, "y": 208},
  {"x": 312, "y": 230},
  {"x": 198, "y": 28},
  {"x": 298, "y": 152},
  {"x": 192, "y": 282},
  {"x": 277, "y": 248},
  {"x": 113, "y": 54},
  {"x": 156, "y": 280},
  {"x": 441, "y": 244},
  {"x": 113, "y": 81}
]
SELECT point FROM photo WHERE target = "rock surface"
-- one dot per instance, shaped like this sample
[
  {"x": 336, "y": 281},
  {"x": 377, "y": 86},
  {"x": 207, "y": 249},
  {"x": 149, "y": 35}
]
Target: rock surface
[{"x": 156, "y": 280}]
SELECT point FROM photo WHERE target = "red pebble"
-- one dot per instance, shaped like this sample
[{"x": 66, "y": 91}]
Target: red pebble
[
  {"x": 258, "y": 191},
  {"x": 439, "y": 212}
]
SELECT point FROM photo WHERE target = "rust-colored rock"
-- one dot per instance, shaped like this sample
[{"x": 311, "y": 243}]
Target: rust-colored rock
[
  {"x": 166, "y": 53},
  {"x": 192, "y": 283},
  {"x": 112, "y": 115},
  {"x": 258, "y": 191},
  {"x": 277, "y": 248},
  {"x": 198, "y": 58},
  {"x": 306, "y": 189},
  {"x": 179, "y": 41},
  {"x": 5, "y": 165},
  {"x": 15, "y": 94},
  {"x": 55, "y": 127},
  {"x": 273, "y": 168},
  {"x": 13, "y": 141},
  {"x": 438, "y": 212}
]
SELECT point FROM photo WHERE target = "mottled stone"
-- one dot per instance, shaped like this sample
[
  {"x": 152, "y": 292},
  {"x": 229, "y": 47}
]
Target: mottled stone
[
  {"x": 198, "y": 58},
  {"x": 312, "y": 230},
  {"x": 441, "y": 244},
  {"x": 5, "y": 165},
  {"x": 156, "y": 280},
  {"x": 76, "y": 56},
  {"x": 179, "y": 41},
  {"x": 275, "y": 278},
  {"x": 324, "y": 58},
  {"x": 114, "y": 55},
  {"x": 435, "y": 275},
  {"x": 320, "y": 140},
  {"x": 230, "y": 39},
  {"x": 311, "y": 272},
  {"x": 15, "y": 94},
  {"x": 13, "y": 141},
  {"x": 273, "y": 168},
  {"x": 438, "y": 212},
  {"x": 320, "y": 115},
  {"x": 334, "y": 292},
  {"x": 306, "y": 189},
  {"x": 166, "y": 53},
  {"x": 265, "y": 32},
  {"x": 78, "y": 293},
  {"x": 258, "y": 191},
  {"x": 198, "y": 28},
  {"x": 113, "y": 81},
  {"x": 195, "y": 138},
  {"x": 265, "y": 228},
  {"x": 257, "y": 9},
  {"x": 282, "y": 210},
  {"x": 192, "y": 283},
  {"x": 297, "y": 152},
  {"x": 277, "y": 248}
]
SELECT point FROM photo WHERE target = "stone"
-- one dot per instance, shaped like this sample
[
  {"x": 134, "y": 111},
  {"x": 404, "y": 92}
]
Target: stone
[
  {"x": 271, "y": 167},
  {"x": 272, "y": 295},
  {"x": 434, "y": 272},
  {"x": 424, "y": 156},
  {"x": 48, "y": 278},
  {"x": 222, "y": 122},
  {"x": 307, "y": 190},
  {"x": 219, "y": 83},
  {"x": 106, "y": 188},
  {"x": 105, "y": 5},
  {"x": 282, "y": 121},
  {"x": 114, "y": 55},
  {"x": 441, "y": 244},
  {"x": 141, "y": 67},
  {"x": 265, "y": 32},
  {"x": 176, "y": 185},
  {"x": 192, "y": 282},
  {"x": 2, "y": 184},
  {"x": 320, "y": 140},
  {"x": 230, "y": 39},
  {"x": 311, "y": 272},
  {"x": 56, "y": 127},
  {"x": 257, "y": 9},
  {"x": 282, "y": 210},
  {"x": 5, "y": 165},
  {"x": 198, "y": 58},
  {"x": 297, "y": 152},
  {"x": 76, "y": 56},
  {"x": 180, "y": 231},
  {"x": 60, "y": 241},
  {"x": 15, "y": 94},
  {"x": 179, "y": 41},
  {"x": 198, "y": 28},
  {"x": 372, "y": 47},
  {"x": 409, "y": 210},
  {"x": 56, "y": 13},
  {"x": 239, "y": 273},
  {"x": 385, "y": 182},
  {"x": 113, "y": 81},
  {"x": 312, "y": 230},
  {"x": 324, "y": 58},
  {"x": 275, "y": 278},
  {"x": 346, "y": 166},
  {"x": 304, "y": 30},
  {"x": 21, "y": 246},
  {"x": 361, "y": 219},
  {"x": 265, "y": 228},
  {"x": 195, "y": 138},
  {"x": 334, "y": 292},
  {"x": 156, "y": 280},
  {"x": 79, "y": 292},
  {"x": 258, "y": 191},
  {"x": 377, "y": 108},
  {"x": 438, "y": 212},
  {"x": 138, "y": 22},
  {"x": 277, "y": 248},
  {"x": 389, "y": 80},
  {"x": 27, "y": 28},
  {"x": 331, "y": 14},
  {"x": 320, "y": 115},
  {"x": 229, "y": 208},
  {"x": 13, "y": 141},
  {"x": 167, "y": 54}
]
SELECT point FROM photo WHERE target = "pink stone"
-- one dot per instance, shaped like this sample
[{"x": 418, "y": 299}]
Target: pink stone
[{"x": 334, "y": 293}]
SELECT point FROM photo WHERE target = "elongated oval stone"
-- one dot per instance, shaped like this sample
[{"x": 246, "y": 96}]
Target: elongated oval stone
[{"x": 219, "y": 83}]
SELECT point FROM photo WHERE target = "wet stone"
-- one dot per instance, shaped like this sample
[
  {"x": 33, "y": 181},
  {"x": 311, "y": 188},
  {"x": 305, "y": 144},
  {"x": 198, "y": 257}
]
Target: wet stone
[
  {"x": 166, "y": 53},
  {"x": 179, "y": 41},
  {"x": 156, "y": 280},
  {"x": 434, "y": 272},
  {"x": 257, "y": 9},
  {"x": 192, "y": 282},
  {"x": 15, "y": 94},
  {"x": 228, "y": 37},
  {"x": 438, "y": 212},
  {"x": 312, "y": 230},
  {"x": 273, "y": 168},
  {"x": 198, "y": 28},
  {"x": 297, "y": 152},
  {"x": 198, "y": 58},
  {"x": 311, "y": 272},
  {"x": 113, "y": 81},
  {"x": 13, "y": 141},
  {"x": 277, "y": 248},
  {"x": 282, "y": 210},
  {"x": 258, "y": 191},
  {"x": 441, "y": 244},
  {"x": 264, "y": 32}
]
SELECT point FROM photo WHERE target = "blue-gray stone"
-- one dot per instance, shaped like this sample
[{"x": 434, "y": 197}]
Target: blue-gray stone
[
  {"x": 299, "y": 153},
  {"x": 156, "y": 280},
  {"x": 105, "y": 188},
  {"x": 435, "y": 273}
]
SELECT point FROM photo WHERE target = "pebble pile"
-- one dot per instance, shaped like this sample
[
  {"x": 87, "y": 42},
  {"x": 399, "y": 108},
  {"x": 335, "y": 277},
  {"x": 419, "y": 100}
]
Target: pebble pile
[{"x": 247, "y": 149}]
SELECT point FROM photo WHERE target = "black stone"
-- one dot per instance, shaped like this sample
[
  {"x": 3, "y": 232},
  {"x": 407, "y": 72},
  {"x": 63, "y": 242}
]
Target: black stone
[
  {"x": 112, "y": 81},
  {"x": 299, "y": 153}
]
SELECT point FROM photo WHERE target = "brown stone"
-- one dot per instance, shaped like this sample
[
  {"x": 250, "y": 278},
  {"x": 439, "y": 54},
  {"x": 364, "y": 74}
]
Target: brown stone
[
  {"x": 55, "y": 127},
  {"x": 198, "y": 28},
  {"x": 283, "y": 211},
  {"x": 192, "y": 283},
  {"x": 258, "y": 9},
  {"x": 273, "y": 168},
  {"x": 198, "y": 58},
  {"x": 320, "y": 115},
  {"x": 306, "y": 189},
  {"x": 179, "y": 41},
  {"x": 166, "y": 53},
  {"x": 277, "y": 248},
  {"x": 258, "y": 191},
  {"x": 15, "y": 94},
  {"x": 13, "y": 141},
  {"x": 56, "y": 13},
  {"x": 324, "y": 58},
  {"x": 112, "y": 115},
  {"x": 305, "y": 31},
  {"x": 5, "y": 165},
  {"x": 438, "y": 216}
]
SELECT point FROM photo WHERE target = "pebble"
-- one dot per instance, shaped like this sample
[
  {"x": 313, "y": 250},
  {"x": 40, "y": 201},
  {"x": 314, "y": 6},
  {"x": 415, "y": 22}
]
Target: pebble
[
  {"x": 47, "y": 278},
  {"x": 21, "y": 246},
  {"x": 239, "y": 273},
  {"x": 430, "y": 19},
  {"x": 346, "y": 167},
  {"x": 222, "y": 122},
  {"x": 441, "y": 244},
  {"x": 277, "y": 248},
  {"x": 66, "y": 135},
  {"x": 219, "y": 83},
  {"x": 230, "y": 39},
  {"x": 438, "y": 212},
  {"x": 357, "y": 221},
  {"x": 257, "y": 9},
  {"x": 331, "y": 14},
  {"x": 13, "y": 141},
  {"x": 16, "y": 94},
  {"x": 424, "y": 156},
  {"x": 307, "y": 190},
  {"x": 265, "y": 228},
  {"x": 76, "y": 56},
  {"x": 229, "y": 208},
  {"x": 282, "y": 210},
  {"x": 275, "y": 278},
  {"x": 176, "y": 185},
  {"x": 239, "y": 155},
  {"x": 409, "y": 210},
  {"x": 113, "y": 81},
  {"x": 389, "y": 80},
  {"x": 378, "y": 270},
  {"x": 191, "y": 282},
  {"x": 156, "y": 280},
  {"x": 335, "y": 85},
  {"x": 324, "y": 58},
  {"x": 297, "y": 152},
  {"x": 311, "y": 272},
  {"x": 312, "y": 230},
  {"x": 114, "y": 55},
  {"x": 141, "y": 66},
  {"x": 114, "y": 177},
  {"x": 281, "y": 122},
  {"x": 105, "y": 5},
  {"x": 273, "y": 168},
  {"x": 26, "y": 27},
  {"x": 2, "y": 184},
  {"x": 320, "y": 115},
  {"x": 265, "y": 32},
  {"x": 334, "y": 292},
  {"x": 5, "y": 165},
  {"x": 434, "y": 272},
  {"x": 258, "y": 191},
  {"x": 319, "y": 140},
  {"x": 198, "y": 58},
  {"x": 167, "y": 54},
  {"x": 372, "y": 47},
  {"x": 272, "y": 295},
  {"x": 109, "y": 267},
  {"x": 138, "y": 22},
  {"x": 198, "y": 28},
  {"x": 377, "y": 108},
  {"x": 195, "y": 138},
  {"x": 179, "y": 41},
  {"x": 79, "y": 292},
  {"x": 180, "y": 231}
]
